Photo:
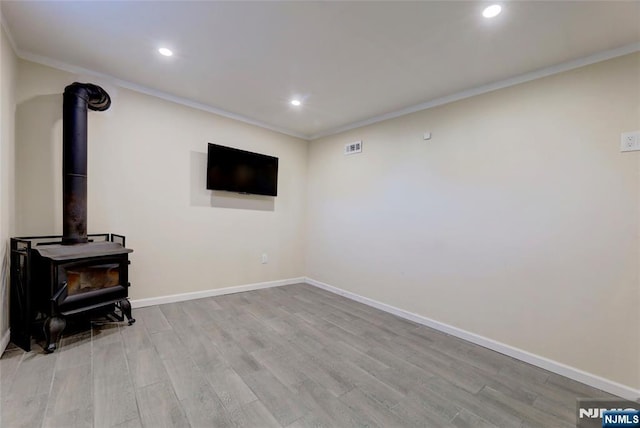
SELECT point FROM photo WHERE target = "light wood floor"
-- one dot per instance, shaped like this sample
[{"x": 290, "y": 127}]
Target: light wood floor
[{"x": 292, "y": 356}]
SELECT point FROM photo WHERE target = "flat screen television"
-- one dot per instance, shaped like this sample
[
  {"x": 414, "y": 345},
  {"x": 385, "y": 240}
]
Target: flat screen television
[{"x": 235, "y": 170}]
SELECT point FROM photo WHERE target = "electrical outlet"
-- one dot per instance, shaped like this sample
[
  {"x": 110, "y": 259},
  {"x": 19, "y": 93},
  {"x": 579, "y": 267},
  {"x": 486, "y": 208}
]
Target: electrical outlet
[
  {"x": 265, "y": 258},
  {"x": 630, "y": 141}
]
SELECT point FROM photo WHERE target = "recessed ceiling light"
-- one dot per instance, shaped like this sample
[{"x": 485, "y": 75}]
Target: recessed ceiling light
[
  {"x": 296, "y": 102},
  {"x": 492, "y": 11},
  {"x": 165, "y": 51}
]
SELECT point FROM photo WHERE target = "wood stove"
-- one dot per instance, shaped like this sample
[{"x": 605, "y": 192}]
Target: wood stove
[
  {"x": 50, "y": 281},
  {"x": 53, "y": 277}
]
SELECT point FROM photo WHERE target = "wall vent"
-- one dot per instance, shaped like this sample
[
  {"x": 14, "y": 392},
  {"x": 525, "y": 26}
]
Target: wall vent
[{"x": 353, "y": 148}]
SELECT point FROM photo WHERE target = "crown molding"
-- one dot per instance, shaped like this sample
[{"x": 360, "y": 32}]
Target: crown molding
[
  {"x": 50, "y": 62},
  {"x": 467, "y": 93},
  {"x": 5, "y": 26},
  {"x": 472, "y": 92}
]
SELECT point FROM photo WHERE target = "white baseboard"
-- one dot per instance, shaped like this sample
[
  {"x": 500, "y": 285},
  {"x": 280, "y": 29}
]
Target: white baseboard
[
  {"x": 536, "y": 360},
  {"x": 522, "y": 355},
  {"x": 150, "y": 301},
  {"x": 4, "y": 342}
]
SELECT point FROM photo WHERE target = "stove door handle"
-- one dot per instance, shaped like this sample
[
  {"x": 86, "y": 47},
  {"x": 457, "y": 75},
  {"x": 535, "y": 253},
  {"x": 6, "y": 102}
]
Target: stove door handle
[{"x": 61, "y": 295}]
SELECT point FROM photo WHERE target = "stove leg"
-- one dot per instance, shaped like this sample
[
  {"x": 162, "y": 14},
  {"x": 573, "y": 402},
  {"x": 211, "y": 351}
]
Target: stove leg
[
  {"x": 125, "y": 307},
  {"x": 53, "y": 327}
]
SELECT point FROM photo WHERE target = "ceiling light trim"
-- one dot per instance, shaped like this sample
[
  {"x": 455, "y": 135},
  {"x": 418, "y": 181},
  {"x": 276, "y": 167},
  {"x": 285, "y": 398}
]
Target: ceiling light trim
[
  {"x": 50, "y": 62},
  {"x": 492, "y": 11},
  {"x": 479, "y": 90}
]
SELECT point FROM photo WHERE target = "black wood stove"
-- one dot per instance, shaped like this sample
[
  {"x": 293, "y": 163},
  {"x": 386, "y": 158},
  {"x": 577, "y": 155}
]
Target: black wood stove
[{"x": 53, "y": 277}]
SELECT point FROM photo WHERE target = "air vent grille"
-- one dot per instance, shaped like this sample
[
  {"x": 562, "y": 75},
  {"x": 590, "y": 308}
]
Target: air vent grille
[{"x": 353, "y": 148}]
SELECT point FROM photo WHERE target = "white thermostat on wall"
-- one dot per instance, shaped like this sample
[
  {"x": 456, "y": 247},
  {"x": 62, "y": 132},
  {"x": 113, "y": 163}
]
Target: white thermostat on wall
[{"x": 352, "y": 148}]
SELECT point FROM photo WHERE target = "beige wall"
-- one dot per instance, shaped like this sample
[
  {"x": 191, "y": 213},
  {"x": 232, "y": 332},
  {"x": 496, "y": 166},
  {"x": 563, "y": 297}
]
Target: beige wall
[
  {"x": 147, "y": 161},
  {"x": 8, "y": 64},
  {"x": 517, "y": 221}
]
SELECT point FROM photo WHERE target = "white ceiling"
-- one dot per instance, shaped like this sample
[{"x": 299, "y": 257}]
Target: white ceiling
[{"x": 349, "y": 61}]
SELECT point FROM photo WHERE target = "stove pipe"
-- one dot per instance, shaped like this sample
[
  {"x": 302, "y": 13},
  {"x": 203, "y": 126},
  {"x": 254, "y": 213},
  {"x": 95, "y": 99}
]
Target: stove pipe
[{"x": 78, "y": 97}]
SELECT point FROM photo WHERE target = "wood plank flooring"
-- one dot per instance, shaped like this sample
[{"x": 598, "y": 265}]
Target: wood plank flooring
[{"x": 292, "y": 356}]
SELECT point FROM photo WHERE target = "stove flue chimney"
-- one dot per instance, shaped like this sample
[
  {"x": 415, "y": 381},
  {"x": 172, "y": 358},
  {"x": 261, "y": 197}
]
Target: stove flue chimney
[{"x": 78, "y": 97}]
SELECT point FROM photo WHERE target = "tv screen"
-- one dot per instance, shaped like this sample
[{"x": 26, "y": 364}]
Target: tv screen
[{"x": 239, "y": 171}]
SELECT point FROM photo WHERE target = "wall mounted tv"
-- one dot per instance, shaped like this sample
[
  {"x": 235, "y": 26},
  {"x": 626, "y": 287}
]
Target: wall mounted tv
[{"x": 235, "y": 170}]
